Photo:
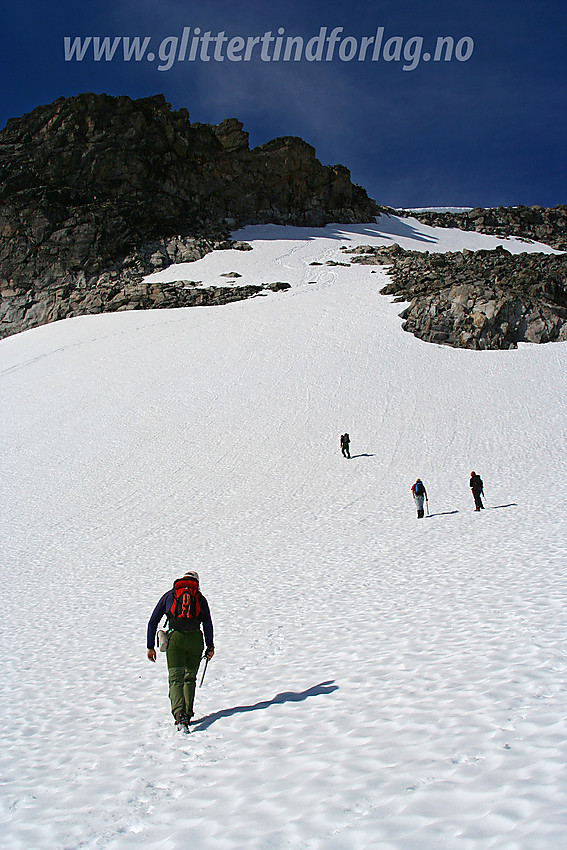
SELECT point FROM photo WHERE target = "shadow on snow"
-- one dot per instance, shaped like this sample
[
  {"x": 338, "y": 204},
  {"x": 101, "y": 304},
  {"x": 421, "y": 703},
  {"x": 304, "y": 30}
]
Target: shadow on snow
[
  {"x": 488, "y": 508},
  {"x": 384, "y": 227},
  {"x": 279, "y": 699}
]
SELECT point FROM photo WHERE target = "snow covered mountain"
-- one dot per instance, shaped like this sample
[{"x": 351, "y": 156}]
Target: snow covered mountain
[{"x": 379, "y": 681}]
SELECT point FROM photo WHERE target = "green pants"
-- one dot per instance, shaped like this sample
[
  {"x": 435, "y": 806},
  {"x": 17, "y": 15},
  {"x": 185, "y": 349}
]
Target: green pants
[{"x": 184, "y": 653}]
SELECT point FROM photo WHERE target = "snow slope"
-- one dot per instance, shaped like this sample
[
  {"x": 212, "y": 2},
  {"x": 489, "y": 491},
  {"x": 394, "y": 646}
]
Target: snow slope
[{"x": 379, "y": 681}]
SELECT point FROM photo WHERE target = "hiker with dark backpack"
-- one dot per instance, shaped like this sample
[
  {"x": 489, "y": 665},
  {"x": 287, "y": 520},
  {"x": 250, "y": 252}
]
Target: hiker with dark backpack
[
  {"x": 419, "y": 494},
  {"x": 477, "y": 488},
  {"x": 186, "y": 610},
  {"x": 345, "y": 445}
]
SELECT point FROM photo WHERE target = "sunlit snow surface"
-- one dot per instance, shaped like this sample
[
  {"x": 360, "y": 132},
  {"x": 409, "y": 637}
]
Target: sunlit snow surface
[{"x": 379, "y": 681}]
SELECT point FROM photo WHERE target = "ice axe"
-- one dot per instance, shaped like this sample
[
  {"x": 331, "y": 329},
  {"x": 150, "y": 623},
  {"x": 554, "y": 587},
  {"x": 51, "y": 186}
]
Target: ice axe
[{"x": 206, "y": 657}]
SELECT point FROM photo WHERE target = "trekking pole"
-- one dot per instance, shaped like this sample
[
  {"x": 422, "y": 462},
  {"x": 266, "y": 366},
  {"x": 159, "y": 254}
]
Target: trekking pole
[
  {"x": 204, "y": 671},
  {"x": 427, "y": 504}
]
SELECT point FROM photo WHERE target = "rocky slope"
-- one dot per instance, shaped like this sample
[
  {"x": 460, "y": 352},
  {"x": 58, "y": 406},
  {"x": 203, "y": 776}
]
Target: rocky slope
[
  {"x": 541, "y": 224},
  {"x": 96, "y": 191},
  {"x": 477, "y": 299}
]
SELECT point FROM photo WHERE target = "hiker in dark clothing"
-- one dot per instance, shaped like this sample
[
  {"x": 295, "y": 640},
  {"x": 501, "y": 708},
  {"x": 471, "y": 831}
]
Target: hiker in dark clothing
[
  {"x": 419, "y": 493},
  {"x": 477, "y": 488},
  {"x": 186, "y": 610},
  {"x": 345, "y": 445}
]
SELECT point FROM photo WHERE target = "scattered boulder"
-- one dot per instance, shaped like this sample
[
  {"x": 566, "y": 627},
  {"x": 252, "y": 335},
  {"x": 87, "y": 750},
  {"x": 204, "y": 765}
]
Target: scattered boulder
[{"x": 278, "y": 286}]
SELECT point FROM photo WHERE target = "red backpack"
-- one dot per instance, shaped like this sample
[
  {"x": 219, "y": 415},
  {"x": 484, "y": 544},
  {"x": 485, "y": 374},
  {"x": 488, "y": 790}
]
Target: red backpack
[{"x": 184, "y": 614}]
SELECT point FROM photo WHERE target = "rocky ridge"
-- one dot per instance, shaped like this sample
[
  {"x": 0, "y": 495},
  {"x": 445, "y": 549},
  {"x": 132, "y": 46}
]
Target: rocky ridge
[
  {"x": 535, "y": 223},
  {"x": 476, "y": 299},
  {"x": 98, "y": 191}
]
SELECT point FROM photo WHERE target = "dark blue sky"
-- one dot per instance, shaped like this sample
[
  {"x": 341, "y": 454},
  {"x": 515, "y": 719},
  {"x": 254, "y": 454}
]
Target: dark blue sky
[{"x": 487, "y": 130}]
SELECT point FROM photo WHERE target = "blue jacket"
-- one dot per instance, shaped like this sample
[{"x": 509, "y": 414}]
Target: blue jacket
[{"x": 163, "y": 607}]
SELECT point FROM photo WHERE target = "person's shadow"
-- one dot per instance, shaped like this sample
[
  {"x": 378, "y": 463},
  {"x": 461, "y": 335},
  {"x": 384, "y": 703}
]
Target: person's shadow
[
  {"x": 279, "y": 699},
  {"x": 352, "y": 457},
  {"x": 488, "y": 508}
]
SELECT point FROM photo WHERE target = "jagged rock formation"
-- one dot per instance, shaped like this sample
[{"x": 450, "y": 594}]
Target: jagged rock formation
[
  {"x": 476, "y": 299},
  {"x": 540, "y": 224},
  {"x": 97, "y": 191}
]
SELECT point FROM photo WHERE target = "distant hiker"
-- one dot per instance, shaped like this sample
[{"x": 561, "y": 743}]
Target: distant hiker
[
  {"x": 477, "y": 488},
  {"x": 186, "y": 609},
  {"x": 419, "y": 494},
  {"x": 345, "y": 445}
]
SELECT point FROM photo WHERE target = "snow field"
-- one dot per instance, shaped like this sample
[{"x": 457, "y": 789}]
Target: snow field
[{"x": 378, "y": 681}]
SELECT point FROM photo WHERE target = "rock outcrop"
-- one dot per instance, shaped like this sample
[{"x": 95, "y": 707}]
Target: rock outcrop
[
  {"x": 97, "y": 191},
  {"x": 123, "y": 287},
  {"x": 476, "y": 299},
  {"x": 539, "y": 224}
]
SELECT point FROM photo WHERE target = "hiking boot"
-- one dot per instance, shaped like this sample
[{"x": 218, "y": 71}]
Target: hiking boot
[{"x": 181, "y": 719}]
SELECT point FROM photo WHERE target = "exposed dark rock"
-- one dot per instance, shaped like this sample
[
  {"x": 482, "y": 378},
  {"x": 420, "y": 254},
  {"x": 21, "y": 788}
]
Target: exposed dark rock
[
  {"x": 476, "y": 299},
  {"x": 120, "y": 288},
  {"x": 540, "y": 224},
  {"x": 96, "y": 191},
  {"x": 278, "y": 286}
]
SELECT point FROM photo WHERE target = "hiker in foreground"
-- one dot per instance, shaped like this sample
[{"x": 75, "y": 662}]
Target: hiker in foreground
[
  {"x": 345, "y": 445},
  {"x": 419, "y": 494},
  {"x": 186, "y": 609},
  {"x": 477, "y": 488}
]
